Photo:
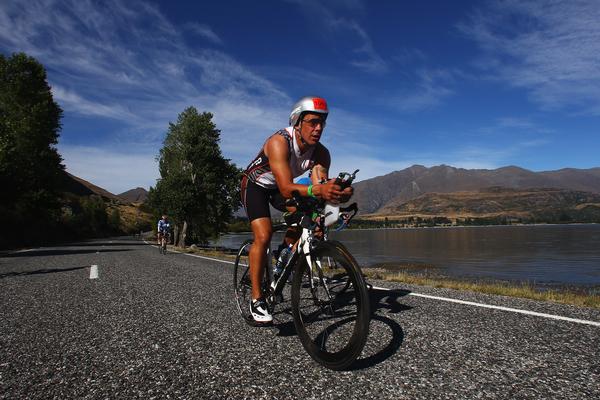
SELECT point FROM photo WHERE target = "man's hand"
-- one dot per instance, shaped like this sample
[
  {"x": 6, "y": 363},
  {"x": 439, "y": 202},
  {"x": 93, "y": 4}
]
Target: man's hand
[
  {"x": 331, "y": 192},
  {"x": 347, "y": 194}
]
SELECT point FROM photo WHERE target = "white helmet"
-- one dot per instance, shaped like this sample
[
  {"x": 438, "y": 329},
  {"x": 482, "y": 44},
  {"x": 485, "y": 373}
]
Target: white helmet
[{"x": 308, "y": 104}]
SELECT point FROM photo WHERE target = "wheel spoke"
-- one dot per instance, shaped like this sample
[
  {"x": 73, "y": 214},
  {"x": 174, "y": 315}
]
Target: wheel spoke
[{"x": 330, "y": 307}]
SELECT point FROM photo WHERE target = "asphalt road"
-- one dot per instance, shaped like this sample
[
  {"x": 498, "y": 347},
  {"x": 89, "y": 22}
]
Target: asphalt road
[{"x": 154, "y": 326}]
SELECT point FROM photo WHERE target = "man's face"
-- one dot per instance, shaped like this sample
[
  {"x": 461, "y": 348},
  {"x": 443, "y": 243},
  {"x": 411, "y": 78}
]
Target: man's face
[{"x": 311, "y": 127}]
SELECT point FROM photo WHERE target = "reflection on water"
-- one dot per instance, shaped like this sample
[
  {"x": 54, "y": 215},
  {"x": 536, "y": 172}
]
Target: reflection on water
[{"x": 568, "y": 254}]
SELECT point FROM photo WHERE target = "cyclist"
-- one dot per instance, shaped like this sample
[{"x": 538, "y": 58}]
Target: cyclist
[
  {"x": 163, "y": 228},
  {"x": 268, "y": 179}
]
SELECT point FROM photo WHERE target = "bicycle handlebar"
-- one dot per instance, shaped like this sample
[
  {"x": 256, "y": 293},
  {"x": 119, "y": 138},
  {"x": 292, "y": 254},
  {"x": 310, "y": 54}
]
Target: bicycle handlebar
[
  {"x": 310, "y": 205},
  {"x": 345, "y": 179}
]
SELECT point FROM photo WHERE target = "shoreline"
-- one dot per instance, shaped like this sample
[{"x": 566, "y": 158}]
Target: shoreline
[
  {"x": 444, "y": 227},
  {"x": 468, "y": 226},
  {"x": 429, "y": 275}
]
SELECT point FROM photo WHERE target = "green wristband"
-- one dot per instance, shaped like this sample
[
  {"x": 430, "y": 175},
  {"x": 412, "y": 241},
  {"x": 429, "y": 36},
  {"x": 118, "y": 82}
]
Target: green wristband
[{"x": 310, "y": 192}]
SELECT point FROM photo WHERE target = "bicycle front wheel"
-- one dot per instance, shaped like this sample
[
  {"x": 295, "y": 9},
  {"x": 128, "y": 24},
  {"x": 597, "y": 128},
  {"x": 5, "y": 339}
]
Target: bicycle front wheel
[{"x": 330, "y": 305}]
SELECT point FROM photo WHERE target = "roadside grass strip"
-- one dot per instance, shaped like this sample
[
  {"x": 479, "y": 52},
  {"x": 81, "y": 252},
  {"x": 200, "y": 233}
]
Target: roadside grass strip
[
  {"x": 515, "y": 310},
  {"x": 524, "y": 290},
  {"x": 439, "y": 298}
]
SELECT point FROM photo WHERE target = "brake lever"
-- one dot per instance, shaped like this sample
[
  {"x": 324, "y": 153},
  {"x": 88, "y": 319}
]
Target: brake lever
[{"x": 344, "y": 182}]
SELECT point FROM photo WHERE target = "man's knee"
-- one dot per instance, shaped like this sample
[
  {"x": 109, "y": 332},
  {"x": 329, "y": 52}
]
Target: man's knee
[{"x": 262, "y": 240}]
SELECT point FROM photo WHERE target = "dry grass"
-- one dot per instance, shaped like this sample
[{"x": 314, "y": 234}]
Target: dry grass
[
  {"x": 220, "y": 255},
  {"x": 132, "y": 216},
  {"x": 565, "y": 296}
]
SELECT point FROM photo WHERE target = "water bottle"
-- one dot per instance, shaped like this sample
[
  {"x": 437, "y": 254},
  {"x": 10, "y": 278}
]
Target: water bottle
[{"x": 282, "y": 260}]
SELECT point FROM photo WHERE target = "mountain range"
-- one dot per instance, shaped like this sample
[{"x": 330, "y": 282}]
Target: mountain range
[
  {"x": 81, "y": 187},
  {"x": 511, "y": 192},
  {"x": 385, "y": 195}
]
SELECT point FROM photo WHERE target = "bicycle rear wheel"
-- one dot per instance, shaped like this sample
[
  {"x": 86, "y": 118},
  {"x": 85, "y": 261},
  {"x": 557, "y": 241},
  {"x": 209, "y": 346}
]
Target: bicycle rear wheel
[
  {"x": 330, "y": 305},
  {"x": 241, "y": 280}
]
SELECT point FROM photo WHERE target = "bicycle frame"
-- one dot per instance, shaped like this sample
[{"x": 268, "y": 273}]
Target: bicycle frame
[{"x": 302, "y": 249}]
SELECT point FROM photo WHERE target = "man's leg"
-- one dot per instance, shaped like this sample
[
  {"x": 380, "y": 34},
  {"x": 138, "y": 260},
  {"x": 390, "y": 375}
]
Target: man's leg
[{"x": 262, "y": 230}]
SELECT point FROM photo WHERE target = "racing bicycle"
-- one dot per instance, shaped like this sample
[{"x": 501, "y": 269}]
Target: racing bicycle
[
  {"x": 329, "y": 296},
  {"x": 164, "y": 239}
]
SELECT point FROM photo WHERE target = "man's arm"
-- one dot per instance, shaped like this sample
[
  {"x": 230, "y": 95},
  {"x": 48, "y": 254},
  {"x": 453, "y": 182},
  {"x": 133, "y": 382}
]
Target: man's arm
[
  {"x": 277, "y": 150},
  {"x": 320, "y": 172}
]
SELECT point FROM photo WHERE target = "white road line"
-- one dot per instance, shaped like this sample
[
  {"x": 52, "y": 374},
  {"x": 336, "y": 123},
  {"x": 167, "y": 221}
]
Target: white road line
[
  {"x": 25, "y": 250},
  {"x": 94, "y": 272},
  {"x": 469, "y": 303},
  {"x": 197, "y": 256},
  {"x": 207, "y": 258},
  {"x": 515, "y": 310}
]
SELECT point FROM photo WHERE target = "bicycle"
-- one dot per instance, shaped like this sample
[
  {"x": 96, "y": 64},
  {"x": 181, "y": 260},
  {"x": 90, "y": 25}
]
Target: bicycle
[
  {"x": 164, "y": 239},
  {"x": 329, "y": 297}
]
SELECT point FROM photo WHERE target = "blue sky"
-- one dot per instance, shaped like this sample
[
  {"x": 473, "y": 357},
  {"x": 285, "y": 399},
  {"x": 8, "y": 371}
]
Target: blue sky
[{"x": 471, "y": 84}]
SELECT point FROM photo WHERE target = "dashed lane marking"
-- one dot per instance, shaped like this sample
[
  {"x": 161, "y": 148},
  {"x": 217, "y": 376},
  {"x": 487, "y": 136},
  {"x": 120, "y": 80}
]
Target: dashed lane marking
[{"x": 94, "y": 272}]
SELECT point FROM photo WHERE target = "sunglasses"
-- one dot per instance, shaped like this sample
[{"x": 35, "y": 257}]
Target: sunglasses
[{"x": 313, "y": 122}]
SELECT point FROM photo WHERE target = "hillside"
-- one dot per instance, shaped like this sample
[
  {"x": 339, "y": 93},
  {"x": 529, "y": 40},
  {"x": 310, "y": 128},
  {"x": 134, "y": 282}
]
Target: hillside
[
  {"x": 531, "y": 204},
  {"x": 80, "y": 187},
  {"x": 137, "y": 195},
  {"x": 133, "y": 215},
  {"x": 384, "y": 193}
]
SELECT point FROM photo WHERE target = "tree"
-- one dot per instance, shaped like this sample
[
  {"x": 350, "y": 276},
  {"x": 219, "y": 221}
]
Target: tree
[
  {"x": 30, "y": 166},
  {"x": 114, "y": 220},
  {"x": 94, "y": 216},
  {"x": 198, "y": 188}
]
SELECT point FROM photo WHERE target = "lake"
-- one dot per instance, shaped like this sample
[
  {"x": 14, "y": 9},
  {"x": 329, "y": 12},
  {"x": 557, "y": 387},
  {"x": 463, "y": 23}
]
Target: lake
[{"x": 541, "y": 254}]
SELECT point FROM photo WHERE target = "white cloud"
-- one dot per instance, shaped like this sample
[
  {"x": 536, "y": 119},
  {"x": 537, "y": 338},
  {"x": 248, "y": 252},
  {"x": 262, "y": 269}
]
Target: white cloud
[
  {"x": 433, "y": 87},
  {"x": 110, "y": 169},
  {"x": 368, "y": 59},
  {"x": 73, "y": 102},
  {"x": 550, "y": 48},
  {"x": 344, "y": 31},
  {"x": 376, "y": 160},
  {"x": 204, "y": 31},
  {"x": 126, "y": 62},
  {"x": 371, "y": 167},
  {"x": 512, "y": 126}
]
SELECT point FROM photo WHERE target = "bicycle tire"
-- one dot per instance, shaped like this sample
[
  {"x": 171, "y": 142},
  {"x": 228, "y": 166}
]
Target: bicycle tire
[
  {"x": 242, "y": 284},
  {"x": 331, "y": 315},
  {"x": 241, "y": 280}
]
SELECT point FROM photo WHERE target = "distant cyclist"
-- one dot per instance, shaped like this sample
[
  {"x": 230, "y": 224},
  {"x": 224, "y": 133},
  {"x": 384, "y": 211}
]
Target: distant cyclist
[
  {"x": 163, "y": 228},
  {"x": 268, "y": 179}
]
